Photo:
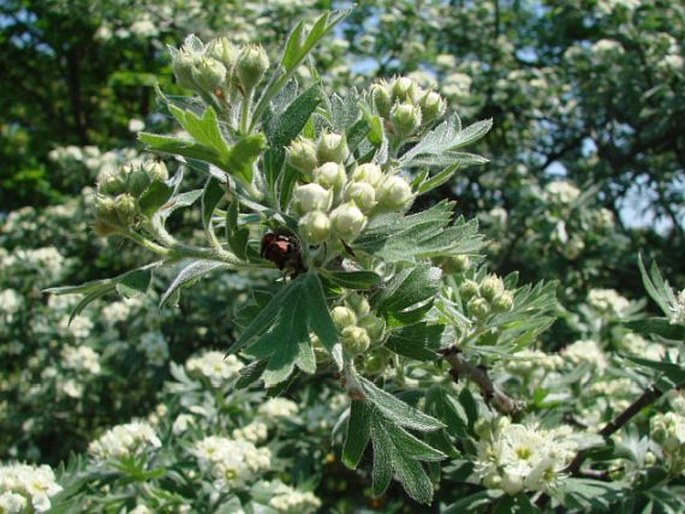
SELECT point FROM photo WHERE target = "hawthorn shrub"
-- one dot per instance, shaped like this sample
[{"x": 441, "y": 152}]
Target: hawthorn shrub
[{"x": 327, "y": 340}]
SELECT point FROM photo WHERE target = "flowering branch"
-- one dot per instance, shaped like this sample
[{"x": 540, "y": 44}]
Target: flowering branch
[
  {"x": 651, "y": 395},
  {"x": 491, "y": 393}
]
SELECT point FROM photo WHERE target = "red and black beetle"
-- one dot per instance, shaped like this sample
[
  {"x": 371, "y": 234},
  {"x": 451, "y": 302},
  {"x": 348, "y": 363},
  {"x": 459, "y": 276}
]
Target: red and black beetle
[{"x": 284, "y": 251}]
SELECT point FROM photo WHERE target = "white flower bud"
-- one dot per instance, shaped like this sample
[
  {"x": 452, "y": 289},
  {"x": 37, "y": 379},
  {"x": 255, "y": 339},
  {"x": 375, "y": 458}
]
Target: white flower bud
[
  {"x": 315, "y": 226},
  {"x": 208, "y": 74},
  {"x": 126, "y": 209},
  {"x": 302, "y": 156},
  {"x": 355, "y": 340},
  {"x": 330, "y": 175},
  {"x": 394, "y": 193},
  {"x": 362, "y": 194},
  {"x": 432, "y": 106},
  {"x": 468, "y": 289},
  {"x": 491, "y": 287},
  {"x": 359, "y": 304},
  {"x": 343, "y": 317},
  {"x": 312, "y": 197},
  {"x": 369, "y": 173},
  {"x": 347, "y": 221},
  {"x": 503, "y": 302},
  {"x": 374, "y": 326},
  {"x": 382, "y": 98},
  {"x": 478, "y": 307},
  {"x": 404, "y": 89},
  {"x": 251, "y": 66},
  {"x": 223, "y": 51},
  {"x": 332, "y": 148},
  {"x": 406, "y": 118},
  {"x": 156, "y": 170}
]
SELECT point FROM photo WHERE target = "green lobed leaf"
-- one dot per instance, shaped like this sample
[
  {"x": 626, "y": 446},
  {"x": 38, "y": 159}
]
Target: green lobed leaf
[
  {"x": 657, "y": 326},
  {"x": 407, "y": 288},
  {"x": 280, "y": 331},
  {"x": 655, "y": 285},
  {"x": 213, "y": 193},
  {"x": 287, "y": 125},
  {"x": 395, "y": 237},
  {"x": 359, "y": 280},
  {"x": 358, "y": 433},
  {"x": 382, "y": 462},
  {"x": 191, "y": 272},
  {"x": 250, "y": 374},
  {"x": 418, "y": 341},
  {"x": 178, "y": 146},
  {"x": 440, "y": 405},
  {"x": 398, "y": 411},
  {"x": 155, "y": 197},
  {"x": 135, "y": 284}
]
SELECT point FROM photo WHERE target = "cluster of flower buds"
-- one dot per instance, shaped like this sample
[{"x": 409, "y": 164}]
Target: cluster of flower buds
[
  {"x": 359, "y": 327},
  {"x": 118, "y": 193},
  {"x": 218, "y": 67},
  {"x": 669, "y": 431},
  {"x": 487, "y": 297},
  {"x": 334, "y": 203},
  {"x": 405, "y": 105}
]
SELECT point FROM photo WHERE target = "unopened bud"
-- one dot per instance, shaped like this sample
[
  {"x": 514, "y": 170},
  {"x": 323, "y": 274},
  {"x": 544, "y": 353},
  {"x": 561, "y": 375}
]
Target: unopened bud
[
  {"x": 315, "y": 226},
  {"x": 503, "y": 302},
  {"x": 406, "y": 118},
  {"x": 223, "y": 51},
  {"x": 491, "y": 287},
  {"x": 478, "y": 307},
  {"x": 330, "y": 175},
  {"x": 156, "y": 170},
  {"x": 454, "y": 264},
  {"x": 302, "y": 156},
  {"x": 369, "y": 173},
  {"x": 432, "y": 106},
  {"x": 404, "y": 90},
  {"x": 362, "y": 194},
  {"x": 312, "y": 197},
  {"x": 104, "y": 209},
  {"x": 382, "y": 98},
  {"x": 394, "y": 193},
  {"x": 359, "y": 304},
  {"x": 468, "y": 289},
  {"x": 251, "y": 66},
  {"x": 347, "y": 221},
  {"x": 184, "y": 60},
  {"x": 332, "y": 148},
  {"x": 374, "y": 325},
  {"x": 208, "y": 74},
  {"x": 355, "y": 340},
  {"x": 111, "y": 181},
  {"x": 343, "y": 317},
  {"x": 126, "y": 209}
]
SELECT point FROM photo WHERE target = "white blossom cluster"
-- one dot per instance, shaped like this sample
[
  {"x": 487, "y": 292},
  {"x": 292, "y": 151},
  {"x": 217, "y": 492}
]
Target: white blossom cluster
[
  {"x": 529, "y": 361},
  {"x": 154, "y": 346},
  {"x": 25, "y": 488},
  {"x": 609, "y": 6},
  {"x": 519, "y": 458},
  {"x": 586, "y": 351},
  {"x": 78, "y": 327},
  {"x": 668, "y": 429},
  {"x": 255, "y": 432},
  {"x": 124, "y": 440},
  {"x": 10, "y": 303},
  {"x": 81, "y": 359},
  {"x": 216, "y": 367},
  {"x": 47, "y": 260},
  {"x": 278, "y": 408},
  {"x": 608, "y": 301},
  {"x": 561, "y": 192},
  {"x": 291, "y": 501},
  {"x": 91, "y": 157},
  {"x": 232, "y": 464}
]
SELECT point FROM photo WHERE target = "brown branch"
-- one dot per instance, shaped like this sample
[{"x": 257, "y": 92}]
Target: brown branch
[
  {"x": 651, "y": 395},
  {"x": 479, "y": 375}
]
